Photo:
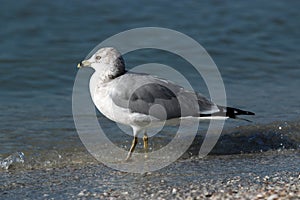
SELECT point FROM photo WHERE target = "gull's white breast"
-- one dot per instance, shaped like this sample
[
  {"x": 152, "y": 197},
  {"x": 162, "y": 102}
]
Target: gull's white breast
[{"x": 101, "y": 96}]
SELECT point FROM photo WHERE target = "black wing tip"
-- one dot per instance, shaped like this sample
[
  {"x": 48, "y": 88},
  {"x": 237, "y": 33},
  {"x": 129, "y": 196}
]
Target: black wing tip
[
  {"x": 249, "y": 113},
  {"x": 229, "y": 112},
  {"x": 233, "y": 112}
]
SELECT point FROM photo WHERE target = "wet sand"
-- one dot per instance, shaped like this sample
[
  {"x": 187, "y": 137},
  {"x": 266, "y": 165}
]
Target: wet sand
[{"x": 268, "y": 175}]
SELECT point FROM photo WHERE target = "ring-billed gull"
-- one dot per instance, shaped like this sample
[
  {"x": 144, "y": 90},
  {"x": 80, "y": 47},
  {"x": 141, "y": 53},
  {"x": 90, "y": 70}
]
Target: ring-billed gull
[{"x": 141, "y": 100}]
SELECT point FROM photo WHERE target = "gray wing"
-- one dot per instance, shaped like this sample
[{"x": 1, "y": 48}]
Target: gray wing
[{"x": 159, "y": 98}]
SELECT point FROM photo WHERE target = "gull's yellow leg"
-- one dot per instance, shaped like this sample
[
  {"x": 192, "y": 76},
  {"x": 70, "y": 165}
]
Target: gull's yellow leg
[
  {"x": 134, "y": 142},
  {"x": 145, "y": 138}
]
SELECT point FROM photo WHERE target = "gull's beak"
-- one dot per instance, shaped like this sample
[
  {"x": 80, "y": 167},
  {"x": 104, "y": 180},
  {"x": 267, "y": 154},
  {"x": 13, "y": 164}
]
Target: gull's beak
[{"x": 84, "y": 63}]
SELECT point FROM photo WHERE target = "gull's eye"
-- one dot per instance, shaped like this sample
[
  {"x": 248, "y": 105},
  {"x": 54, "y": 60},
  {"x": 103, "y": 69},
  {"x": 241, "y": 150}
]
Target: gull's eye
[{"x": 98, "y": 57}]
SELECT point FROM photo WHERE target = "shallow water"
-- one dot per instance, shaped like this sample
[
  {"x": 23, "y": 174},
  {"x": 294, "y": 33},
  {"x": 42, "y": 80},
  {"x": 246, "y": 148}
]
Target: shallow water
[{"x": 254, "y": 44}]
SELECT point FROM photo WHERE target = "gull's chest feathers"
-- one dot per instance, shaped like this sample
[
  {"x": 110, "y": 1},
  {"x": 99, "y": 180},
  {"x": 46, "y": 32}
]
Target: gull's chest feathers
[
  {"x": 102, "y": 100},
  {"x": 101, "y": 95}
]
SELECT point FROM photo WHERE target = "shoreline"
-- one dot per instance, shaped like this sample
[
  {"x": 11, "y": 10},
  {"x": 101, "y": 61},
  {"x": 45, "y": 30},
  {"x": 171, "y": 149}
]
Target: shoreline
[{"x": 274, "y": 175}]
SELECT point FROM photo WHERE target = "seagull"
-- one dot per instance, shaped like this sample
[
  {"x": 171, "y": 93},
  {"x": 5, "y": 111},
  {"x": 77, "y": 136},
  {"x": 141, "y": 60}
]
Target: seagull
[{"x": 141, "y": 100}]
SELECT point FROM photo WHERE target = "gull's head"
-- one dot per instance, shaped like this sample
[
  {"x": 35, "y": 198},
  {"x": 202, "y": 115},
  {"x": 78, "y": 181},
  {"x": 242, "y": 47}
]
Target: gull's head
[{"x": 107, "y": 62}]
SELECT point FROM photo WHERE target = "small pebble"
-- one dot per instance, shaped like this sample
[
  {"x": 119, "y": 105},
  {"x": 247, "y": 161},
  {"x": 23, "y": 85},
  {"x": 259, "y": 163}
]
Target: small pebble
[
  {"x": 273, "y": 197},
  {"x": 81, "y": 193},
  {"x": 105, "y": 194},
  {"x": 174, "y": 191}
]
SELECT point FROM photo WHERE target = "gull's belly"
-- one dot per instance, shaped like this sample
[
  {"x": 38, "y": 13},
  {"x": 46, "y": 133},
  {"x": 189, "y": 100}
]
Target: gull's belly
[
  {"x": 102, "y": 99},
  {"x": 109, "y": 109},
  {"x": 106, "y": 106}
]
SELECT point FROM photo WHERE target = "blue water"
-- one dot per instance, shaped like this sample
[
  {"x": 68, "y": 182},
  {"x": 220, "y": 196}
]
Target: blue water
[{"x": 255, "y": 45}]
